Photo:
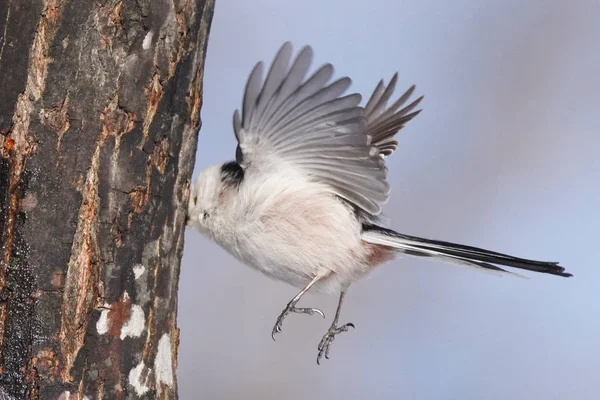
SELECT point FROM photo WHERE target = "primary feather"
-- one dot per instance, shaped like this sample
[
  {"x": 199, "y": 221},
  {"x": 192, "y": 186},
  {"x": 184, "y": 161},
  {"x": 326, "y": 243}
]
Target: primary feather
[{"x": 383, "y": 123}]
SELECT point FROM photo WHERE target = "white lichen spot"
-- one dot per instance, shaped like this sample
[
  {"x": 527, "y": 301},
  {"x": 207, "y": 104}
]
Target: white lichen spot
[
  {"x": 139, "y": 383},
  {"x": 64, "y": 395},
  {"x": 137, "y": 321},
  {"x": 102, "y": 324},
  {"x": 147, "y": 40},
  {"x": 163, "y": 363},
  {"x": 138, "y": 270}
]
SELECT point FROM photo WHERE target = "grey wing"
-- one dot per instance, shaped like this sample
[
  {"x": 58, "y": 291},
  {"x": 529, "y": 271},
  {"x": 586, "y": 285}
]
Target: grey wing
[
  {"x": 310, "y": 125},
  {"x": 384, "y": 122}
]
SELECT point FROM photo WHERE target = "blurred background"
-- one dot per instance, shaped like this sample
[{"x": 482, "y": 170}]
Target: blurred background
[{"x": 505, "y": 156}]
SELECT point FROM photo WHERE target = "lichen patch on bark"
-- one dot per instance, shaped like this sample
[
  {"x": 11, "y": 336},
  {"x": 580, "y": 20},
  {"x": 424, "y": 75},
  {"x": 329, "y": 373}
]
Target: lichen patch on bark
[
  {"x": 139, "y": 378},
  {"x": 163, "y": 363}
]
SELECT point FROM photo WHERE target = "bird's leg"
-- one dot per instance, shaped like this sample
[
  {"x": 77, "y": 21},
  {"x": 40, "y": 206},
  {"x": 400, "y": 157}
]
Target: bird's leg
[
  {"x": 291, "y": 307},
  {"x": 325, "y": 343}
]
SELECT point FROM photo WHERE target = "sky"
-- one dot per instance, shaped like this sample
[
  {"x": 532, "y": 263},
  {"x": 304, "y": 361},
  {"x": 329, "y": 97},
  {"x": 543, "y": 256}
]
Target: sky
[{"x": 504, "y": 156}]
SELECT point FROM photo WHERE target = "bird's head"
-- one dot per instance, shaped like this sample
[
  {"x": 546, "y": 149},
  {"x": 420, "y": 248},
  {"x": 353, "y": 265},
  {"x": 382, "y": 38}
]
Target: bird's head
[{"x": 209, "y": 193}]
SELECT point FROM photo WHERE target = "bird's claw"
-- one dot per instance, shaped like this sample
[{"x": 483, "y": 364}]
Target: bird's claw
[
  {"x": 291, "y": 308},
  {"x": 325, "y": 343}
]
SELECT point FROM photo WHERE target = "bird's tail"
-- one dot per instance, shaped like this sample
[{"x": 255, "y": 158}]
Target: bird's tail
[{"x": 455, "y": 253}]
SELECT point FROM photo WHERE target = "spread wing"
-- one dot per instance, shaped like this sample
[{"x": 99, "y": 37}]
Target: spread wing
[{"x": 308, "y": 124}]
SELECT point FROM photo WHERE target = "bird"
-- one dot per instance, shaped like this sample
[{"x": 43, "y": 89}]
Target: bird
[{"x": 302, "y": 200}]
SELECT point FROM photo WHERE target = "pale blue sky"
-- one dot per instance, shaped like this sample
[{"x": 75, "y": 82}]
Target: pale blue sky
[{"x": 504, "y": 156}]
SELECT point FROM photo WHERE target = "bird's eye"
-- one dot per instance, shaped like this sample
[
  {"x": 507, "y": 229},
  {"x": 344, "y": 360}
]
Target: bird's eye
[
  {"x": 195, "y": 200},
  {"x": 205, "y": 215}
]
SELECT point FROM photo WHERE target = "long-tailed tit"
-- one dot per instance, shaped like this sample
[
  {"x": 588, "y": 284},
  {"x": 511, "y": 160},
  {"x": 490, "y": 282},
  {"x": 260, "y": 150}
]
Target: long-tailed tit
[{"x": 301, "y": 201}]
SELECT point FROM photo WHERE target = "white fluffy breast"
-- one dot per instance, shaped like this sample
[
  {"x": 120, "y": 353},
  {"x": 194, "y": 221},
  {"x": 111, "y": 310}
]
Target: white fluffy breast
[{"x": 291, "y": 229}]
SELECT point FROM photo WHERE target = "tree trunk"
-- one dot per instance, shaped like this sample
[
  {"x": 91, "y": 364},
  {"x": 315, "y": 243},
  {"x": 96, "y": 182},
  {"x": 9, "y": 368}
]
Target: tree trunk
[{"x": 99, "y": 115}]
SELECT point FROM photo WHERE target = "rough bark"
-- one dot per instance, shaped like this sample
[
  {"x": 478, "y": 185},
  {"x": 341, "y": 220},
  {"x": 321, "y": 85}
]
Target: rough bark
[{"x": 99, "y": 115}]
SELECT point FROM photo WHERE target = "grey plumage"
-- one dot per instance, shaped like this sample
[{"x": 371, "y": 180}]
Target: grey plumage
[{"x": 383, "y": 123}]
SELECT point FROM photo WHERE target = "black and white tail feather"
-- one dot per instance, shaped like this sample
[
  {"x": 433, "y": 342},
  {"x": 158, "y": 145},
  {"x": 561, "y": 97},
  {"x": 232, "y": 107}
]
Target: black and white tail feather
[{"x": 455, "y": 253}]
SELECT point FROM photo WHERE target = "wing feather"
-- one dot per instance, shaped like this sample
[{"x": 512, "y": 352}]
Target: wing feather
[
  {"x": 384, "y": 123},
  {"x": 251, "y": 93}
]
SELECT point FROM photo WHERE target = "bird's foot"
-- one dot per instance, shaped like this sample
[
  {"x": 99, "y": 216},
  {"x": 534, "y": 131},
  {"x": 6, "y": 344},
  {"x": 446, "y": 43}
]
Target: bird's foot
[
  {"x": 325, "y": 343},
  {"x": 291, "y": 308}
]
